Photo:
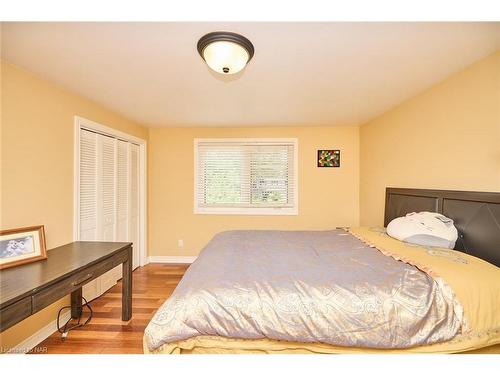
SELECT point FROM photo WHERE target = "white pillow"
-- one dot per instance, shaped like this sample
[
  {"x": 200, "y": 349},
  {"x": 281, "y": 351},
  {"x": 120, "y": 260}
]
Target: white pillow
[{"x": 424, "y": 228}]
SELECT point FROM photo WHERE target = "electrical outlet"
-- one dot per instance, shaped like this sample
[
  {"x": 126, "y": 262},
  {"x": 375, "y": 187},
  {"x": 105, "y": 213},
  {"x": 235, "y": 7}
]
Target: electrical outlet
[{"x": 180, "y": 243}]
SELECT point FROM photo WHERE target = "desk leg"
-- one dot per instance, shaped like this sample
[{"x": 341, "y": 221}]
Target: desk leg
[
  {"x": 76, "y": 303},
  {"x": 127, "y": 287}
]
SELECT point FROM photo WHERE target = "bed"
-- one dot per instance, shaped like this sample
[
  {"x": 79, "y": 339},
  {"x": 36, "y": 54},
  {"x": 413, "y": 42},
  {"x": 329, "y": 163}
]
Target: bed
[{"x": 347, "y": 290}]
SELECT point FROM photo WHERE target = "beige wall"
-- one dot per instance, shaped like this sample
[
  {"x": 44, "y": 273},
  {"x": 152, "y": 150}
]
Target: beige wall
[
  {"x": 37, "y": 164},
  {"x": 448, "y": 137},
  {"x": 328, "y": 197}
]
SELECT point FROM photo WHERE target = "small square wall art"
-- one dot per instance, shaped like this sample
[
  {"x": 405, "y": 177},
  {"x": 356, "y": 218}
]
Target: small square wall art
[{"x": 328, "y": 158}]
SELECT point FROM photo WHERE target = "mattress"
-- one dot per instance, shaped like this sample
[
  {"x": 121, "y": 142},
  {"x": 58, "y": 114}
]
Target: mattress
[{"x": 331, "y": 289}]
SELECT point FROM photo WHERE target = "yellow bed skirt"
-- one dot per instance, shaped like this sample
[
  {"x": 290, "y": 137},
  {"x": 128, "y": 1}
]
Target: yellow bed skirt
[{"x": 223, "y": 345}]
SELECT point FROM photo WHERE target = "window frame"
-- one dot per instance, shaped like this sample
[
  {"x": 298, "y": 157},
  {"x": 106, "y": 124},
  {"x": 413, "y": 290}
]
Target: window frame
[{"x": 279, "y": 211}]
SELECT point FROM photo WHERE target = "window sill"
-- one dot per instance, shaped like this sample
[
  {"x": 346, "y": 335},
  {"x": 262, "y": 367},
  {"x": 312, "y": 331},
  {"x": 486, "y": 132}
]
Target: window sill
[{"x": 246, "y": 211}]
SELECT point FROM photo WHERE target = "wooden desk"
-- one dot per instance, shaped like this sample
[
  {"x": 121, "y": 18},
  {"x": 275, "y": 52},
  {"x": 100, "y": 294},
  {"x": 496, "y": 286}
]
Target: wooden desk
[{"x": 28, "y": 288}]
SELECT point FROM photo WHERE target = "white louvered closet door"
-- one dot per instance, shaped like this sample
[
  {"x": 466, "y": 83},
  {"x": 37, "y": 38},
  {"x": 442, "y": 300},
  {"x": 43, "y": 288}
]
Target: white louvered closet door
[
  {"x": 107, "y": 215},
  {"x": 134, "y": 228},
  {"x": 122, "y": 200},
  {"x": 122, "y": 191},
  {"x": 88, "y": 185},
  {"x": 109, "y": 198}
]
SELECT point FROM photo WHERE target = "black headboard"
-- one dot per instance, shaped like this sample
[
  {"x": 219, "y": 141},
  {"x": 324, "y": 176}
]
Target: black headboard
[{"x": 476, "y": 216}]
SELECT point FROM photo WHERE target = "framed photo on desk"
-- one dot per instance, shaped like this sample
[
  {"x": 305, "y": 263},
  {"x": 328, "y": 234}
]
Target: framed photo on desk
[{"x": 22, "y": 245}]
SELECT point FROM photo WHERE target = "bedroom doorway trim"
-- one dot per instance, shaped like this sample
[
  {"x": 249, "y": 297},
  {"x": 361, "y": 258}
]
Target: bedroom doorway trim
[{"x": 85, "y": 124}]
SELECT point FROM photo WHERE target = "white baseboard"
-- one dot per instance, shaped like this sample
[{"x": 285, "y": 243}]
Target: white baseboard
[
  {"x": 38, "y": 336},
  {"x": 171, "y": 259}
]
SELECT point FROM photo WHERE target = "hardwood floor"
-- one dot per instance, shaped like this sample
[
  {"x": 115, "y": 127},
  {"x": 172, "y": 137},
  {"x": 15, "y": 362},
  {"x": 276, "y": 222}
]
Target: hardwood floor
[{"x": 106, "y": 332}]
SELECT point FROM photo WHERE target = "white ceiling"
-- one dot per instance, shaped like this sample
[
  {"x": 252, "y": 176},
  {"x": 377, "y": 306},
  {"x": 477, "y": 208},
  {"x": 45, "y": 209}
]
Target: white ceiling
[{"x": 301, "y": 74}]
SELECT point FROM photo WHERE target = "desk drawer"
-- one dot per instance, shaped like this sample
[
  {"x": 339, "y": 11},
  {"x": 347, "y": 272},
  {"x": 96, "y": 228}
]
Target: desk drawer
[
  {"x": 64, "y": 287},
  {"x": 14, "y": 313}
]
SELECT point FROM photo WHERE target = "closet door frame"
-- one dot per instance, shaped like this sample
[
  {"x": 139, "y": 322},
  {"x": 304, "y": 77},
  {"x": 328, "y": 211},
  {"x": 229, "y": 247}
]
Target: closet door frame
[{"x": 82, "y": 123}]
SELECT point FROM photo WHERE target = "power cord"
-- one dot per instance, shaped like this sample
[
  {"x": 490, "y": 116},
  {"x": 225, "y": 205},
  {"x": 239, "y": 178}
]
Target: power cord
[{"x": 64, "y": 330}]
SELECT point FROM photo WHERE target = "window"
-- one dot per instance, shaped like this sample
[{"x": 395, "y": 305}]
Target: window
[{"x": 246, "y": 176}]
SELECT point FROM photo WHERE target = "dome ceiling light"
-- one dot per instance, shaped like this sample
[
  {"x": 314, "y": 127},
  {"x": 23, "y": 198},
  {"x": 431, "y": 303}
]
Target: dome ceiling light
[{"x": 225, "y": 52}]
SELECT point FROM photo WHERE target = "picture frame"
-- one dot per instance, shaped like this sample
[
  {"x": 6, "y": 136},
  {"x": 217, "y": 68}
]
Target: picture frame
[
  {"x": 328, "y": 158},
  {"x": 22, "y": 245}
]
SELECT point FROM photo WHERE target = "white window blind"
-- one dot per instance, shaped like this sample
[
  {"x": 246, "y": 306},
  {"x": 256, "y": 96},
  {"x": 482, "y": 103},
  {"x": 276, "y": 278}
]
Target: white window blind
[{"x": 246, "y": 176}]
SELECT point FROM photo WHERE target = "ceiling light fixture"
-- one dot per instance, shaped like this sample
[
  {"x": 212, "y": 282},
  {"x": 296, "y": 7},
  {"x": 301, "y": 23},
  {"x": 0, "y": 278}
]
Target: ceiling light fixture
[{"x": 225, "y": 52}]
